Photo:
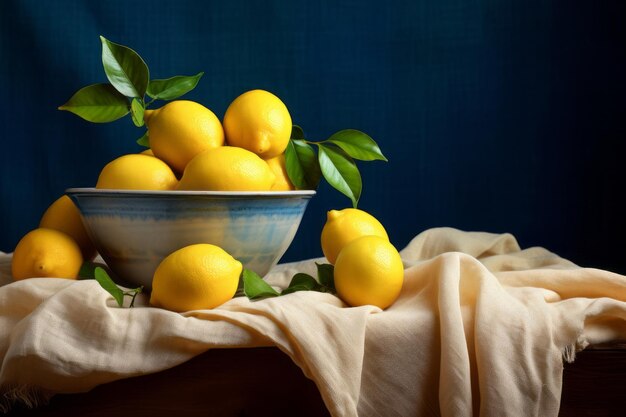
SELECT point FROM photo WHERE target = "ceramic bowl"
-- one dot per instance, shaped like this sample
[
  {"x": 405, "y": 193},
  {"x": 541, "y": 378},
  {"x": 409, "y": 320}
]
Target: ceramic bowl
[{"x": 134, "y": 230}]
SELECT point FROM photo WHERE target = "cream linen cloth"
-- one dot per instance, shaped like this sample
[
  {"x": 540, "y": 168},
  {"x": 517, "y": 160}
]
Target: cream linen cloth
[{"x": 480, "y": 328}]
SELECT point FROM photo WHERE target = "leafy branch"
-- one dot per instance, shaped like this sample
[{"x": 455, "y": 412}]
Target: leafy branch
[
  {"x": 255, "y": 288},
  {"x": 105, "y": 281},
  {"x": 334, "y": 160},
  {"x": 130, "y": 83}
]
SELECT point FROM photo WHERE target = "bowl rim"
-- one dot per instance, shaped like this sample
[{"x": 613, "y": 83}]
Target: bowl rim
[{"x": 106, "y": 191}]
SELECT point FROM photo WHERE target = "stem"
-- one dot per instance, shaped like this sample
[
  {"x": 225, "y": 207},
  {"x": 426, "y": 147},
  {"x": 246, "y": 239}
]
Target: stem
[
  {"x": 149, "y": 103},
  {"x": 132, "y": 301},
  {"x": 133, "y": 294}
]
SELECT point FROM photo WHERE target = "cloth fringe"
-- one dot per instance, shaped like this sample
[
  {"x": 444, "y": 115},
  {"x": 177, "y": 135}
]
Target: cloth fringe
[
  {"x": 26, "y": 395},
  {"x": 569, "y": 353}
]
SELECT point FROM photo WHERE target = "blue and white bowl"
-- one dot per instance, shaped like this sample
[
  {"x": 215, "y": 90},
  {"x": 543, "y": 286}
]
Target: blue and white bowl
[{"x": 135, "y": 230}]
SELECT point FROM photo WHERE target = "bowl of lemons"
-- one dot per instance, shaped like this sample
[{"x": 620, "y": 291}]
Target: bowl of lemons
[
  {"x": 194, "y": 186},
  {"x": 134, "y": 230}
]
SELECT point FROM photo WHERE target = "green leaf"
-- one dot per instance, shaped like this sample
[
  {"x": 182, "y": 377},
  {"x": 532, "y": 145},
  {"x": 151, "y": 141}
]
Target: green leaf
[
  {"x": 296, "y": 288},
  {"x": 302, "y": 165},
  {"x": 358, "y": 145},
  {"x": 98, "y": 103},
  {"x": 295, "y": 167},
  {"x": 297, "y": 132},
  {"x": 254, "y": 287},
  {"x": 88, "y": 269},
  {"x": 125, "y": 69},
  {"x": 341, "y": 172},
  {"x": 173, "y": 87},
  {"x": 240, "y": 292},
  {"x": 136, "y": 111},
  {"x": 144, "y": 140},
  {"x": 107, "y": 283},
  {"x": 301, "y": 282},
  {"x": 326, "y": 275}
]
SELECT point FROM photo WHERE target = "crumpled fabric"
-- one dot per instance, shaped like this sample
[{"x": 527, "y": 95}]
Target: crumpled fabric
[{"x": 481, "y": 328}]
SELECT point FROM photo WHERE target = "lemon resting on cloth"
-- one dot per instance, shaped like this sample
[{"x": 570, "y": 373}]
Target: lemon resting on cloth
[
  {"x": 46, "y": 253},
  {"x": 200, "y": 276},
  {"x": 369, "y": 270}
]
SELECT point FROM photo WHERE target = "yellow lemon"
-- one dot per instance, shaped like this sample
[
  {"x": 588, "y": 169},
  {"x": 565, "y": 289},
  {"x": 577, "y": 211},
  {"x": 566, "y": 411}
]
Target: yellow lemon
[
  {"x": 343, "y": 226},
  {"x": 227, "y": 168},
  {"x": 259, "y": 122},
  {"x": 282, "y": 183},
  {"x": 369, "y": 270},
  {"x": 46, "y": 253},
  {"x": 63, "y": 215},
  {"x": 182, "y": 129},
  {"x": 137, "y": 172},
  {"x": 199, "y": 276}
]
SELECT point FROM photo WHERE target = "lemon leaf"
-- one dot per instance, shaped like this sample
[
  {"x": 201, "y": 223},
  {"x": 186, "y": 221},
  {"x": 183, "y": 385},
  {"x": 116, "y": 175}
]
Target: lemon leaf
[
  {"x": 124, "y": 68},
  {"x": 301, "y": 282},
  {"x": 255, "y": 288},
  {"x": 341, "y": 172},
  {"x": 296, "y": 288},
  {"x": 297, "y": 132},
  {"x": 144, "y": 140},
  {"x": 302, "y": 165},
  {"x": 109, "y": 286},
  {"x": 98, "y": 103},
  {"x": 136, "y": 111},
  {"x": 174, "y": 87},
  {"x": 358, "y": 145},
  {"x": 326, "y": 275},
  {"x": 295, "y": 167},
  {"x": 88, "y": 269}
]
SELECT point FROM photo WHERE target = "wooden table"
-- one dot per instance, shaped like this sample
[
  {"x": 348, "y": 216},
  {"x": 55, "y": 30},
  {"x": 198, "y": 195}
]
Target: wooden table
[{"x": 265, "y": 382}]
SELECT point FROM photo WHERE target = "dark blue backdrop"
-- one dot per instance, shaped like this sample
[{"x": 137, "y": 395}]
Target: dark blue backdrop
[{"x": 503, "y": 116}]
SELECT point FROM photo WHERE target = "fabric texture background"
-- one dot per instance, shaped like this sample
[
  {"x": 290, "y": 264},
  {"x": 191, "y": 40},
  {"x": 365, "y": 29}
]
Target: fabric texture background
[
  {"x": 481, "y": 328},
  {"x": 505, "y": 116}
]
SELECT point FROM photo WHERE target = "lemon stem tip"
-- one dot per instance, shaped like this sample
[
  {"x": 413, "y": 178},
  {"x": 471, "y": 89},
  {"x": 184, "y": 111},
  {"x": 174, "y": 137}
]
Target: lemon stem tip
[{"x": 332, "y": 214}]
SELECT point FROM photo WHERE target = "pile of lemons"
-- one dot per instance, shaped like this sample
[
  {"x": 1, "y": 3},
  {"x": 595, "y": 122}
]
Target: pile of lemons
[
  {"x": 188, "y": 141},
  {"x": 368, "y": 268},
  {"x": 190, "y": 149},
  {"x": 57, "y": 247}
]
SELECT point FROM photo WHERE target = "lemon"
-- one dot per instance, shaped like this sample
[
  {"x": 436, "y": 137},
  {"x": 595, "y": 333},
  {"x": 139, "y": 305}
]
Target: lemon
[
  {"x": 259, "y": 122},
  {"x": 343, "y": 226},
  {"x": 63, "y": 215},
  {"x": 46, "y": 253},
  {"x": 137, "y": 172},
  {"x": 199, "y": 276},
  {"x": 182, "y": 129},
  {"x": 227, "y": 168},
  {"x": 369, "y": 271},
  {"x": 282, "y": 183}
]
